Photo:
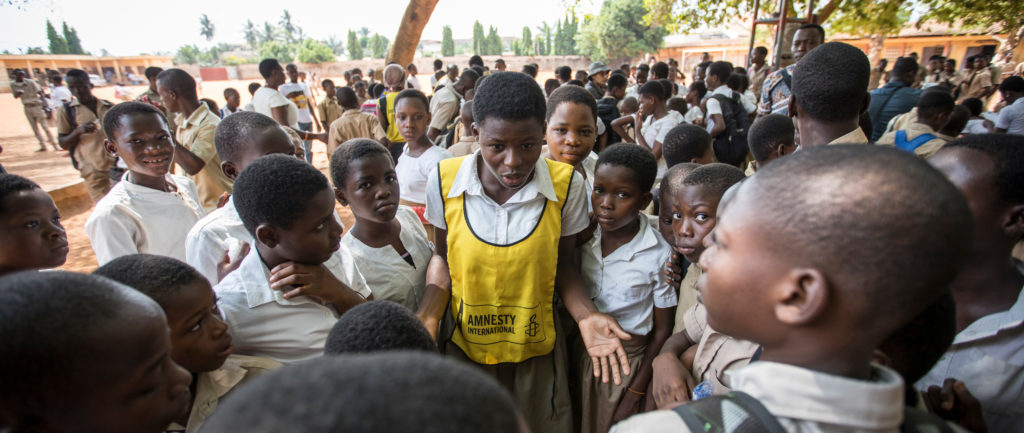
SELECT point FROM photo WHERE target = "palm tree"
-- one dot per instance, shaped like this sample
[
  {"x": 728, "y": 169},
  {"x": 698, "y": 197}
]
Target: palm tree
[
  {"x": 206, "y": 27},
  {"x": 544, "y": 38},
  {"x": 251, "y": 34},
  {"x": 269, "y": 32},
  {"x": 287, "y": 26}
]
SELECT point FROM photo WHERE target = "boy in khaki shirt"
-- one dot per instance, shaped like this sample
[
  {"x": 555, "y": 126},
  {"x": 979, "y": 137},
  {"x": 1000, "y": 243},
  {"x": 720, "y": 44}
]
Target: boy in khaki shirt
[
  {"x": 328, "y": 109},
  {"x": 79, "y": 131},
  {"x": 933, "y": 112},
  {"x": 353, "y": 123},
  {"x": 35, "y": 106}
]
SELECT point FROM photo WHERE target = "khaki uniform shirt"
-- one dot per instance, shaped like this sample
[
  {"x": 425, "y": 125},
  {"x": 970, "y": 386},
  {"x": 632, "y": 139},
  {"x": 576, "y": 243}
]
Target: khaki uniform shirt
[
  {"x": 153, "y": 98},
  {"x": 214, "y": 385},
  {"x": 687, "y": 296},
  {"x": 853, "y": 137},
  {"x": 29, "y": 92},
  {"x": 196, "y": 133},
  {"x": 90, "y": 153},
  {"x": 353, "y": 124},
  {"x": 913, "y": 130},
  {"x": 717, "y": 353},
  {"x": 757, "y": 77},
  {"x": 328, "y": 110},
  {"x": 466, "y": 145},
  {"x": 974, "y": 85}
]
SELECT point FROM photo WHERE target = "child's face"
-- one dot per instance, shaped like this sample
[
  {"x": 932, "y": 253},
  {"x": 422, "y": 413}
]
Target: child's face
[
  {"x": 665, "y": 215},
  {"x": 314, "y": 235},
  {"x": 269, "y": 141},
  {"x": 694, "y": 210},
  {"x": 136, "y": 387},
  {"x": 232, "y": 99},
  {"x": 647, "y": 104},
  {"x": 412, "y": 118},
  {"x": 200, "y": 341},
  {"x": 617, "y": 197},
  {"x": 571, "y": 133},
  {"x": 31, "y": 235},
  {"x": 972, "y": 172},
  {"x": 510, "y": 149},
  {"x": 371, "y": 189},
  {"x": 329, "y": 90},
  {"x": 691, "y": 97},
  {"x": 144, "y": 144}
]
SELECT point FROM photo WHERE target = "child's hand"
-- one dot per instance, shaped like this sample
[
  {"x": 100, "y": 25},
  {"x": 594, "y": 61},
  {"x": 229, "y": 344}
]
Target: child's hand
[
  {"x": 310, "y": 280},
  {"x": 223, "y": 200},
  {"x": 601, "y": 336},
  {"x": 628, "y": 406},
  {"x": 954, "y": 402},
  {"x": 228, "y": 264},
  {"x": 86, "y": 128},
  {"x": 674, "y": 272},
  {"x": 671, "y": 382}
]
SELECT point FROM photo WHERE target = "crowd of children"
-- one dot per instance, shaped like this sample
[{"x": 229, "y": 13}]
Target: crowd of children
[{"x": 601, "y": 254}]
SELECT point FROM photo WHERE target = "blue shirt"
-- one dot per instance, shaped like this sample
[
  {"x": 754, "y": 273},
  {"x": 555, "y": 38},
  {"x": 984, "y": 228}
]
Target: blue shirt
[{"x": 898, "y": 98}]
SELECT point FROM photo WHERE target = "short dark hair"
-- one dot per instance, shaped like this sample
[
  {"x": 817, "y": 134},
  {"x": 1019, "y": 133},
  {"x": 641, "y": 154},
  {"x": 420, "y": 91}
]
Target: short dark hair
[
  {"x": 677, "y": 103},
  {"x": 577, "y": 83},
  {"x": 77, "y": 73},
  {"x": 508, "y": 95},
  {"x": 830, "y": 83},
  {"x": 530, "y": 70},
  {"x": 12, "y": 183},
  {"x": 476, "y": 60},
  {"x": 685, "y": 142},
  {"x": 973, "y": 104},
  {"x": 470, "y": 75},
  {"x": 935, "y": 57},
  {"x": 112, "y": 120},
  {"x": 475, "y": 68},
  {"x": 346, "y": 97},
  {"x": 573, "y": 94},
  {"x": 253, "y": 87},
  {"x": 643, "y": 67},
  {"x": 915, "y": 348},
  {"x": 51, "y": 324},
  {"x": 230, "y": 91},
  {"x": 819, "y": 28},
  {"x": 414, "y": 94},
  {"x": 275, "y": 189},
  {"x": 895, "y": 252},
  {"x": 715, "y": 177},
  {"x": 1012, "y": 84},
  {"x": 267, "y": 67},
  {"x": 346, "y": 394},
  {"x": 769, "y": 132},
  {"x": 652, "y": 88},
  {"x": 235, "y": 133},
  {"x": 326, "y": 82},
  {"x": 761, "y": 49},
  {"x": 179, "y": 82},
  {"x": 674, "y": 176},
  {"x": 152, "y": 71},
  {"x": 438, "y": 64},
  {"x": 353, "y": 150},
  {"x": 376, "y": 90},
  {"x": 936, "y": 100},
  {"x": 56, "y": 79},
  {"x": 720, "y": 69},
  {"x": 660, "y": 70},
  {"x": 903, "y": 66},
  {"x": 158, "y": 277},
  {"x": 667, "y": 85},
  {"x": 1007, "y": 154},
  {"x": 617, "y": 81},
  {"x": 635, "y": 158},
  {"x": 564, "y": 73},
  {"x": 377, "y": 326},
  {"x": 700, "y": 88}
]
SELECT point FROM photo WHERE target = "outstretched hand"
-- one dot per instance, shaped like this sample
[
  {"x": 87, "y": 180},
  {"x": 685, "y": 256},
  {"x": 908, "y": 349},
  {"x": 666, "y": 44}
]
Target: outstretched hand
[{"x": 602, "y": 337}]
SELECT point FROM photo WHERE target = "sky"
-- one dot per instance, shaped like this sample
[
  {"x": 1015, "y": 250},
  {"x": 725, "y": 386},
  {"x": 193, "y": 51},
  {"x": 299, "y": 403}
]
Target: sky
[{"x": 133, "y": 27}]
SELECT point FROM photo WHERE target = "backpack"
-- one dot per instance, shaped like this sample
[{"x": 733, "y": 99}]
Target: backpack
[
  {"x": 902, "y": 143},
  {"x": 731, "y": 145},
  {"x": 738, "y": 412}
]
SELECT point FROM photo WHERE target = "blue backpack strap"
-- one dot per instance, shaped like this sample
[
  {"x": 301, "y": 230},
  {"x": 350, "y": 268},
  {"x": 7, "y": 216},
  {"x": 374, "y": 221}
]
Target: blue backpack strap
[
  {"x": 902, "y": 143},
  {"x": 735, "y": 412}
]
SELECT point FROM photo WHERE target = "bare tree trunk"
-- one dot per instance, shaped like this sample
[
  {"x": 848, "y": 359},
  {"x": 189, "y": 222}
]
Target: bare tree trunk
[
  {"x": 826, "y": 10},
  {"x": 417, "y": 14},
  {"x": 875, "y": 51}
]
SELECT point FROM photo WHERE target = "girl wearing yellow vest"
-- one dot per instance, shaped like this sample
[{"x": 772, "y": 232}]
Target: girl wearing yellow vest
[{"x": 505, "y": 224}]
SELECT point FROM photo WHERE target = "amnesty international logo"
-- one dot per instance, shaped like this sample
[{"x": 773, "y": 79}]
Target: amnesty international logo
[{"x": 533, "y": 327}]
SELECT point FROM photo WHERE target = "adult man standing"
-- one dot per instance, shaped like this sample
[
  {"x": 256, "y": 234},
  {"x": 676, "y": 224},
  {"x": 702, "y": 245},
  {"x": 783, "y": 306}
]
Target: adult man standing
[
  {"x": 194, "y": 151},
  {"x": 31, "y": 96},
  {"x": 597, "y": 76},
  {"x": 299, "y": 94},
  {"x": 758, "y": 70},
  {"x": 777, "y": 88},
  {"x": 79, "y": 131},
  {"x": 444, "y": 106},
  {"x": 895, "y": 97}
]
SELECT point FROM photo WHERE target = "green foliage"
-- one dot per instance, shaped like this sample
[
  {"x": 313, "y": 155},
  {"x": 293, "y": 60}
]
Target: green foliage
[
  {"x": 565, "y": 36},
  {"x": 364, "y": 38},
  {"x": 268, "y": 34},
  {"x": 355, "y": 49},
  {"x": 378, "y": 46},
  {"x": 337, "y": 46},
  {"x": 35, "y": 50},
  {"x": 680, "y": 16},
  {"x": 210, "y": 57},
  {"x": 493, "y": 44},
  {"x": 312, "y": 51},
  {"x": 287, "y": 27},
  {"x": 206, "y": 27},
  {"x": 619, "y": 31},
  {"x": 283, "y": 52},
  {"x": 478, "y": 38},
  {"x": 544, "y": 33},
  {"x": 187, "y": 54},
  {"x": 447, "y": 43},
  {"x": 1005, "y": 15},
  {"x": 252, "y": 36},
  {"x": 525, "y": 45},
  {"x": 870, "y": 18},
  {"x": 58, "y": 45},
  {"x": 233, "y": 60},
  {"x": 74, "y": 43}
]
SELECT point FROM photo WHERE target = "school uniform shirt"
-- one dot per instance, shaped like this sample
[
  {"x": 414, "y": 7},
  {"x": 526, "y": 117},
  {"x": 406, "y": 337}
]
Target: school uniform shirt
[
  {"x": 444, "y": 105},
  {"x": 757, "y": 77},
  {"x": 1011, "y": 118},
  {"x": 466, "y": 145},
  {"x": 353, "y": 124},
  {"x": 515, "y": 219},
  {"x": 413, "y": 83},
  {"x": 856, "y": 136},
  {"x": 693, "y": 114},
  {"x": 656, "y": 129},
  {"x": 214, "y": 385},
  {"x": 973, "y": 85},
  {"x": 628, "y": 284},
  {"x": 391, "y": 277},
  {"x": 90, "y": 152},
  {"x": 328, "y": 110},
  {"x": 988, "y": 356},
  {"x": 913, "y": 130},
  {"x": 209, "y": 238},
  {"x": 718, "y": 355},
  {"x": 975, "y": 126},
  {"x": 687, "y": 298},
  {"x": 196, "y": 133},
  {"x": 30, "y": 92},
  {"x": 804, "y": 401},
  {"x": 301, "y": 101},
  {"x": 59, "y": 95},
  {"x": 226, "y": 111},
  {"x": 264, "y": 323},
  {"x": 775, "y": 94},
  {"x": 133, "y": 219},
  {"x": 265, "y": 99},
  {"x": 714, "y": 106},
  {"x": 412, "y": 172}
]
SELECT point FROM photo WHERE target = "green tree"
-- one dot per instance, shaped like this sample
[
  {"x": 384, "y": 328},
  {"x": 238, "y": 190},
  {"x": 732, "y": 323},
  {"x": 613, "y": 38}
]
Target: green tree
[
  {"x": 559, "y": 48},
  {"x": 312, "y": 51},
  {"x": 355, "y": 49},
  {"x": 1004, "y": 15},
  {"x": 447, "y": 42},
  {"x": 364, "y": 38},
  {"x": 281, "y": 51},
  {"x": 58, "y": 45},
  {"x": 287, "y": 26},
  {"x": 269, "y": 33},
  {"x": 493, "y": 42},
  {"x": 74, "y": 43},
  {"x": 619, "y": 31},
  {"x": 544, "y": 34},
  {"x": 252, "y": 36},
  {"x": 526, "y": 44},
  {"x": 337, "y": 46},
  {"x": 206, "y": 27},
  {"x": 478, "y": 38},
  {"x": 378, "y": 46},
  {"x": 187, "y": 54},
  {"x": 35, "y": 50}
]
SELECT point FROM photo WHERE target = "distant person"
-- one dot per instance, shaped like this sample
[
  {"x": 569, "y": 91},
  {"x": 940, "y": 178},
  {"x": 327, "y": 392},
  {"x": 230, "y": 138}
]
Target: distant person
[
  {"x": 353, "y": 123},
  {"x": 978, "y": 83},
  {"x": 328, "y": 109},
  {"x": 642, "y": 70},
  {"x": 232, "y": 100},
  {"x": 34, "y": 104},
  {"x": 921, "y": 137},
  {"x": 878, "y": 74},
  {"x": 300, "y": 95},
  {"x": 438, "y": 67},
  {"x": 411, "y": 81},
  {"x": 269, "y": 102},
  {"x": 152, "y": 97},
  {"x": 499, "y": 65},
  {"x": 59, "y": 93},
  {"x": 444, "y": 105},
  {"x": 253, "y": 87},
  {"x": 895, "y": 97},
  {"x": 776, "y": 89},
  {"x": 597, "y": 78},
  {"x": 394, "y": 82},
  {"x": 1011, "y": 117},
  {"x": 563, "y": 74},
  {"x": 758, "y": 70},
  {"x": 79, "y": 131}
]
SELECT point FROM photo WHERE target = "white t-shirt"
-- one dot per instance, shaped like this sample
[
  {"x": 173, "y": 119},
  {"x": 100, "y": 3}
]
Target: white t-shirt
[
  {"x": 413, "y": 83},
  {"x": 59, "y": 95},
  {"x": 975, "y": 126},
  {"x": 133, "y": 219},
  {"x": 391, "y": 277},
  {"x": 655, "y": 130},
  {"x": 1011, "y": 118},
  {"x": 301, "y": 102},
  {"x": 266, "y": 98},
  {"x": 693, "y": 114},
  {"x": 628, "y": 283},
  {"x": 412, "y": 172}
]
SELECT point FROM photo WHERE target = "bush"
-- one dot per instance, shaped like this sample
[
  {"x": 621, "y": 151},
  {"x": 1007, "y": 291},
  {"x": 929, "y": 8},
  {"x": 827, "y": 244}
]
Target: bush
[
  {"x": 312, "y": 51},
  {"x": 283, "y": 52}
]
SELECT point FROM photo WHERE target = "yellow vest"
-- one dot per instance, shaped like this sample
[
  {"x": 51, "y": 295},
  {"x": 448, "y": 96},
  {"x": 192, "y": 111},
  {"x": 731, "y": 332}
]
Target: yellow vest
[
  {"x": 503, "y": 295},
  {"x": 393, "y": 135}
]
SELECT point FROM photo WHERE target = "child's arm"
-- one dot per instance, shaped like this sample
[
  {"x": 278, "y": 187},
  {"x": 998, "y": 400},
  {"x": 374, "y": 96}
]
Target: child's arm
[
  {"x": 630, "y": 403},
  {"x": 189, "y": 161},
  {"x": 671, "y": 380},
  {"x": 619, "y": 125},
  {"x": 438, "y": 287},
  {"x": 600, "y": 332}
]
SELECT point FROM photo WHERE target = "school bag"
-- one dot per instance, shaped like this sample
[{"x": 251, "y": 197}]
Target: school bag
[
  {"x": 738, "y": 412},
  {"x": 731, "y": 145},
  {"x": 910, "y": 145}
]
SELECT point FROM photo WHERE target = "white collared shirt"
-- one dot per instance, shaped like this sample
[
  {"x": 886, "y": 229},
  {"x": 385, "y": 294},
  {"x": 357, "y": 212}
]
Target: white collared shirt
[
  {"x": 264, "y": 323},
  {"x": 988, "y": 356},
  {"x": 391, "y": 277},
  {"x": 713, "y": 106},
  {"x": 628, "y": 283},
  {"x": 655, "y": 130},
  {"x": 804, "y": 401},
  {"x": 515, "y": 219},
  {"x": 1011, "y": 118},
  {"x": 412, "y": 172},
  {"x": 134, "y": 219}
]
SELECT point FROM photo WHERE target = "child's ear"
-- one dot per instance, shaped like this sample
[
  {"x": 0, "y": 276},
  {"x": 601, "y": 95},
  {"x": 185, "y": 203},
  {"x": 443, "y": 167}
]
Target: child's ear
[
  {"x": 867, "y": 102},
  {"x": 229, "y": 169},
  {"x": 1013, "y": 225},
  {"x": 801, "y": 297},
  {"x": 794, "y": 108},
  {"x": 476, "y": 130},
  {"x": 110, "y": 147},
  {"x": 339, "y": 194},
  {"x": 266, "y": 234},
  {"x": 879, "y": 357}
]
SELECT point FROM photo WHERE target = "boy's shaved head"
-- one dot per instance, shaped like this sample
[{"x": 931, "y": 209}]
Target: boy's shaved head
[
  {"x": 1007, "y": 153},
  {"x": 347, "y": 97},
  {"x": 715, "y": 177},
  {"x": 237, "y": 130},
  {"x": 829, "y": 73},
  {"x": 674, "y": 176},
  {"x": 886, "y": 229},
  {"x": 767, "y": 133},
  {"x": 377, "y": 326},
  {"x": 158, "y": 277},
  {"x": 276, "y": 189},
  {"x": 179, "y": 82},
  {"x": 685, "y": 142},
  {"x": 396, "y": 392},
  {"x": 509, "y": 96}
]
